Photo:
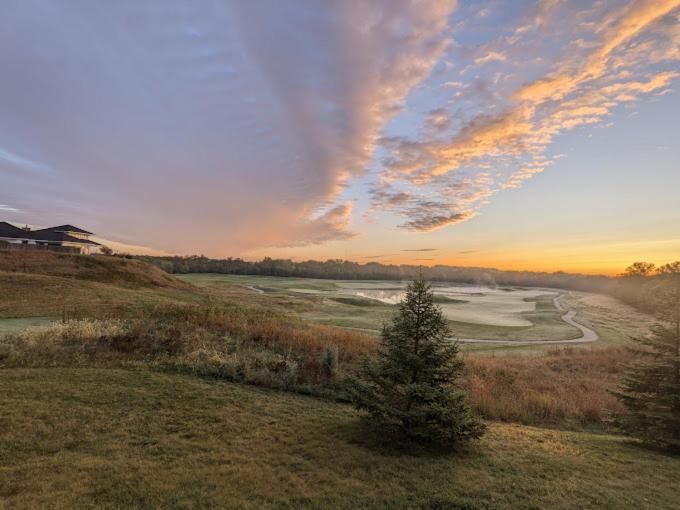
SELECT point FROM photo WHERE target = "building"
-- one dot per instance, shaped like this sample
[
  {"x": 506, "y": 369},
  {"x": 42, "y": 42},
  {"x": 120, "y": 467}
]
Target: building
[{"x": 66, "y": 238}]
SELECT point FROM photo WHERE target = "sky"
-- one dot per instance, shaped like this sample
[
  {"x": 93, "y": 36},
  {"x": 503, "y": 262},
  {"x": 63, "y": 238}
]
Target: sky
[{"x": 529, "y": 135}]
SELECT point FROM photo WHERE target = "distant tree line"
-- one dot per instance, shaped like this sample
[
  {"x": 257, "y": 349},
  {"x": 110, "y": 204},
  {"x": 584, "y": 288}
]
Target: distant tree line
[
  {"x": 643, "y": 283},
  {"x": 337, "y": 269},
  {"x": 632, "y": 287}
]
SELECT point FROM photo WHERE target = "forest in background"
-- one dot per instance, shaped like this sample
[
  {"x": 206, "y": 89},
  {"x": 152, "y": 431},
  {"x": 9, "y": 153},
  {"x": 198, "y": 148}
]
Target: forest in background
[
  {"x": 338, "y": 269},
  {"x": 633, "y": 286}
]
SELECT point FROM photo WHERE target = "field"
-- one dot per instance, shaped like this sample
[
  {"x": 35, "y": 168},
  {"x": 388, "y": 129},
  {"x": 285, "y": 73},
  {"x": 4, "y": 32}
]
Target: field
[
  {"x": 474, "y": 312},
  {"x": 133, "y": 389},
  {"x": 143, "y": 439}
]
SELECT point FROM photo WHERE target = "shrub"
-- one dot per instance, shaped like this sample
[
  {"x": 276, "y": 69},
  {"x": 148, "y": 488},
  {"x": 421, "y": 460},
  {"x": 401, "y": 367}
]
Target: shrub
[
  {"x": 263, "y": 368},
  {"x": 650, "y": 389}
]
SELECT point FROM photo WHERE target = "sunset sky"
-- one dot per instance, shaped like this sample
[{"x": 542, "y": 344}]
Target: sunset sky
[{"x": 539, "y": 135}]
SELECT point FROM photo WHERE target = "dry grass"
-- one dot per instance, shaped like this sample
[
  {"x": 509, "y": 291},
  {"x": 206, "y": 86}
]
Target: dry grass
[
  {"x": 225, "y": 342},
  {"x": 566, "y": 387},
  {"x": 48, "y": 284},
  {"x": 31, "y": 295},
  {"x": 146, "y": 321},
  {"x": 102, "y": 269}
]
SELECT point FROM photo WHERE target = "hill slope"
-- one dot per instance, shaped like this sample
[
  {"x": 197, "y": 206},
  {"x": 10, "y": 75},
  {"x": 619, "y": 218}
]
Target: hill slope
[
  {"x": 54, "y": 284},
  {"x": 103, "y": 269},
  {"x": 87, "y": 438}
]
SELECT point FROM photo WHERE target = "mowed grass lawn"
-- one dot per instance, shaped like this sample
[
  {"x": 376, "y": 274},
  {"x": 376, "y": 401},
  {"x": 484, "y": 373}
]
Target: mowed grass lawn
[{"x": 97, "y": 438}]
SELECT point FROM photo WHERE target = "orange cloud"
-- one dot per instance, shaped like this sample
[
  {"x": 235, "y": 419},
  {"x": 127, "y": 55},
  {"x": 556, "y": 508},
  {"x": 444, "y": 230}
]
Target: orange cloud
[{"x": 581, "y": 89}]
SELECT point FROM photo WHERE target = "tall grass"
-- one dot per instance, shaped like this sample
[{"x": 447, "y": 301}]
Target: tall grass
[
  {"x": 226, "y": 342},
  {"x": 565, "y": 387}
]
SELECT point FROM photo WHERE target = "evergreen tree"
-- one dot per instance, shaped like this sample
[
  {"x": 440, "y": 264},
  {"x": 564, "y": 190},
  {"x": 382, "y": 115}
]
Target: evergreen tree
[
  {"x": 650, "y": 390},
  {"x": 411, "y": 389}
]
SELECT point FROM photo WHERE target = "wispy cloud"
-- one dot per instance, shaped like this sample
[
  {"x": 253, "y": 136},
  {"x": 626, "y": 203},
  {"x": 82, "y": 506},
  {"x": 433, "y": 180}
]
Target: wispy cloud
[
  {"x": 332, "y": 225},
  {"x": 492, "y": 56},
  {"x": 505, "y": 137},
  {"x": 8, "y": 209},
  {"x": 233, "y": 126}
]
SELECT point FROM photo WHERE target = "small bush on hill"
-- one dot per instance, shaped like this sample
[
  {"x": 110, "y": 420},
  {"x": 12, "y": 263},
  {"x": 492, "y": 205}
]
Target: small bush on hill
[{"x": 69, "y": 342}]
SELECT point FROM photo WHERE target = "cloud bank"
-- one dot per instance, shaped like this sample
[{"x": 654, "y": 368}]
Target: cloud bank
[{"x": 205, "y": 126}]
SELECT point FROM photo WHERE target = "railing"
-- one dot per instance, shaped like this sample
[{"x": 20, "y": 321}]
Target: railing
[{"x": 4, "y": 245}]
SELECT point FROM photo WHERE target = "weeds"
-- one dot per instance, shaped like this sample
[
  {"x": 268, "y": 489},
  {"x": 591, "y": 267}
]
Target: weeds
[
  {"x": 224, "y": 342},
  {"x": 565, "y": 387}
]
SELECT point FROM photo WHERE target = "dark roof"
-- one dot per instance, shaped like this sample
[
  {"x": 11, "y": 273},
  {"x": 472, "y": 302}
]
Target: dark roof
[
  {"x": 46, "y": 234},
  {"x": 9, "y": 230},
  {"x": 68, "y": 228}
]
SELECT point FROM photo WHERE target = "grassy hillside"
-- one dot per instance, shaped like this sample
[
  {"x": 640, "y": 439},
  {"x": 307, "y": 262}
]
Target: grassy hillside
[
  {"x": 39, "y": 284},
  {"x": 86, "y": 438},
  {"x": 234, "y": 333},
  {"x": 103, "y": 269},
  {"x": 566, "y": 388},
  {"x": 142, "y": 405}
]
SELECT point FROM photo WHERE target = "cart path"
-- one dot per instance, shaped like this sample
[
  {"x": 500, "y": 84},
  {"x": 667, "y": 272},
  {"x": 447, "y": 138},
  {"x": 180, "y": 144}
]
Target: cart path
[{"x": 587, "y": 334}]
